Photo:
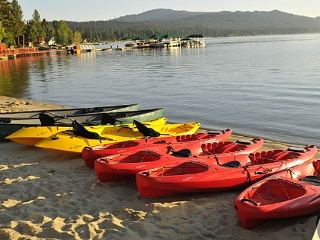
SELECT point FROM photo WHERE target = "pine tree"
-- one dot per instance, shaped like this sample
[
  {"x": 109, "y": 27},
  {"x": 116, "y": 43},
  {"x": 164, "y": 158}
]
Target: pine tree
[
  {"x": 4, "y": 18},
  {"x": 77, "y": 37},
  {"x": 2, "y": 32},
  {"x": 48, "y": 29},
  {"x": 17, "y": 24},
  {"x": 35, "y": 32},
  {"x": 63, "y": 34}
]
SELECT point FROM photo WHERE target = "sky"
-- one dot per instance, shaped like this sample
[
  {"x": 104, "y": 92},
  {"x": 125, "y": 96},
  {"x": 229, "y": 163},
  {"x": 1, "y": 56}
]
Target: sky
[{"x": 86, "y": 10}]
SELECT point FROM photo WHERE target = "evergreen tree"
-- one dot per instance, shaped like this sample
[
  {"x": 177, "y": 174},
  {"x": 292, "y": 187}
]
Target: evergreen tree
[
  {"x": 63, "y": 34},
  {"x": 5, "y": 19},
  {"x": 17, "y": 25},
  {"x": 2, "y": 32},
  {"x": 35, "y": 32},
  {"x": 48, "y": 29},
  {"x": 77, "y": 37}
]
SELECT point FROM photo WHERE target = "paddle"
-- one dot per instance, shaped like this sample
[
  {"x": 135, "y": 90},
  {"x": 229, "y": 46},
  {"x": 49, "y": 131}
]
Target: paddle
[{"x": 147, "y": 132}]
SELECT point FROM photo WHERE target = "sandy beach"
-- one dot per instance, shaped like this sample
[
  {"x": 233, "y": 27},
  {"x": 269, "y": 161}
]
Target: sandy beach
[{"x": 46, "y": 195}]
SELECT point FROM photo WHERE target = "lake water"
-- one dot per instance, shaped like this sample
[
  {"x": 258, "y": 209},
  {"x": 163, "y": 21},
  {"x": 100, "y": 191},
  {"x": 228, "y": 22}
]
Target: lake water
[{"x": 265, "y": 86}]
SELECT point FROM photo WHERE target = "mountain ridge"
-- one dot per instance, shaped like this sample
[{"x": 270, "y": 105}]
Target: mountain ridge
[{"x": 211, "y": 24}]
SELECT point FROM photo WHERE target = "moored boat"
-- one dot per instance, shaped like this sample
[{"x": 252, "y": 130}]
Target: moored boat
[
  {"x": 112, "y": 168},
  {"x": 291, "y": 193},
  {"x": 197, "y": 176},
  {"x": 89, "y": 154}
]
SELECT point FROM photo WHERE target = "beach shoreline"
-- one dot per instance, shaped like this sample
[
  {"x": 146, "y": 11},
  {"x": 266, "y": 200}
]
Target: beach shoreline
[{"x": 51, "y": 195}]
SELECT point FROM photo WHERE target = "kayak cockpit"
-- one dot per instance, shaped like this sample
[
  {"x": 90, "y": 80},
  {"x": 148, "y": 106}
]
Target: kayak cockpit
[
  {"x": 141, "y": 156},
  {"x": 274, "y": 191},
  {"x": 181, "y": 169}
]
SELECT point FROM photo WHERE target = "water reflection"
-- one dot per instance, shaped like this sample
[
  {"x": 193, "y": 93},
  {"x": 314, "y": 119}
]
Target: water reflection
[
  {"x": 14, "y": 77},
  {"x": 266, "y": 86}
]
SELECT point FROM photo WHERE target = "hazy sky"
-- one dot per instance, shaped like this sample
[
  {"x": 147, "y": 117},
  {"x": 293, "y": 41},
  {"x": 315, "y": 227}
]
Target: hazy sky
[{"x": 82, "y": 10}]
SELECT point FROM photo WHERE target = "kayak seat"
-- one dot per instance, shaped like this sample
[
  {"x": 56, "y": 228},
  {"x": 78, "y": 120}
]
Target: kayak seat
[
  {"x": 147, "y": 132},
  {"x": 182, "y": 153},
  {"x": 232, "y": 164},
  {"x": 79, "y": 130},
  {"x": 314, "y": 180},
  {"x": 267, "y": 156},
  {"x": 46, "y": 120},
  {"x": 107, "y": 119},
  {"x": 186, "y": 138},
  {"x": 216, "y": 147}
]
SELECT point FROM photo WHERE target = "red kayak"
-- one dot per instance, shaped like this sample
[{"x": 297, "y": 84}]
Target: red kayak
[
  {"x": 123, "y": 166},
  {"x": 200, "y": 176},
  {"x": 291, "y": 193},
  {"x": 90, "y": 154}
]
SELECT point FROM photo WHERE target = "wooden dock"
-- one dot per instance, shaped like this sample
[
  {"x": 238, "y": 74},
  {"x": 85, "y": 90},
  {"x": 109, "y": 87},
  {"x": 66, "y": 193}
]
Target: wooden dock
[{"x": 12, "y": 53}]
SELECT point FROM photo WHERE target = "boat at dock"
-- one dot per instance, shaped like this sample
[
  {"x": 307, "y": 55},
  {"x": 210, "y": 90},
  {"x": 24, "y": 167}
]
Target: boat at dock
[{"x": 166, "y": 41}]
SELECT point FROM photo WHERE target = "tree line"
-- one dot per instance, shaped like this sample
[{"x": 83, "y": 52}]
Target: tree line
[{"x": 14, "y": 31}]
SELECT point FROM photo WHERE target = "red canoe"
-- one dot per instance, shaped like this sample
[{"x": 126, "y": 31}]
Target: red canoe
[
  {"x": 90, "y": 154},
  {"x": 200, "y": 176},
  {"x": 121, "y": 166},
  {"x": 291, "y": 193}
]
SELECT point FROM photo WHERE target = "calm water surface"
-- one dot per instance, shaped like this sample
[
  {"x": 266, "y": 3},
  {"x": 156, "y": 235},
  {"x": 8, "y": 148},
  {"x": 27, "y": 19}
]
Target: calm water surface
[{"x": 266, "y": 86}]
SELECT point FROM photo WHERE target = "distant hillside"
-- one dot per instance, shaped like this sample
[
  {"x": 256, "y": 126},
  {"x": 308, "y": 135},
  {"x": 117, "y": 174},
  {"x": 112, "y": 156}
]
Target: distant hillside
[
  {"x": 157, "y": 15},
  {"x": 161, "y": 21}
]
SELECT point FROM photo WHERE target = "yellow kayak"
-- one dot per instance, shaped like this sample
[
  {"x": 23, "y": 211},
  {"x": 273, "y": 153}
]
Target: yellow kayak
[
  {"x": 32, "y": 135},
  {"x": 68, "y": 142}
]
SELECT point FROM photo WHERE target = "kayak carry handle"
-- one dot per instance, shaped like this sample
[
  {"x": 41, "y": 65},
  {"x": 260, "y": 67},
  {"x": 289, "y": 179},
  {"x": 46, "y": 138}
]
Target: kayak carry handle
[
  {"x": 263, "y": 172},
  {"x": 250, "y": 201},
  {"x": 145, "y": 174}
]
